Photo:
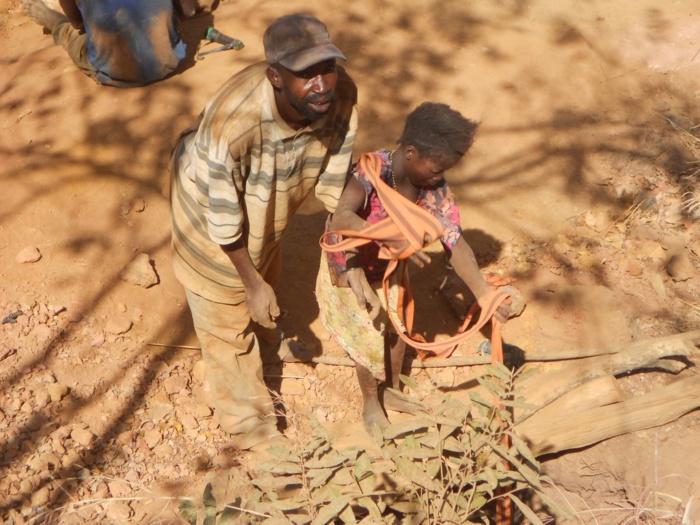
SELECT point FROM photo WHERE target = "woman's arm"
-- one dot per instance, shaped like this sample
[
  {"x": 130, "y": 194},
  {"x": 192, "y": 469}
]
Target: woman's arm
[{"x": 466, "y": 267}]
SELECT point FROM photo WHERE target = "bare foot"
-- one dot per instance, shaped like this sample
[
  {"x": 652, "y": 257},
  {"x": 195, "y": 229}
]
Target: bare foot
[
  {"x": 42, "y": 14},
  {"x": 398, "y": 402},
  {"x": 372, "y": 416}
]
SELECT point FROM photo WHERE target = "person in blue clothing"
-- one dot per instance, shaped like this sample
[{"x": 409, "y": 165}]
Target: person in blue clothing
[{"x": 122, "y": 43}]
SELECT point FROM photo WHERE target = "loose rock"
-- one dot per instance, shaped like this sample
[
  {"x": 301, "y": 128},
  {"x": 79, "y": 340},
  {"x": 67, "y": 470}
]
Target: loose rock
[
  {"x": 140, "y": 272},
  {"x": 40, "y": 497},
  {"x": 82, "y": 436},
  {"x": 174, "y": 384},
  {"x": 152, "y": 438},
  {"x": 138, "y": 205},
  {"x": 30, "y": 254},
  {"x": 118, "y": 325},
  {"x": 680, "y": 267},
  {"x": 118, "y": 511},
  {"x": 57, "y": 391}
]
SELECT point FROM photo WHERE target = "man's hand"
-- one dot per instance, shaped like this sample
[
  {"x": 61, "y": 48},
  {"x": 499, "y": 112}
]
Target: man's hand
[
  {"x": 366, "y": 298},
  {"x": 262, "y": 304}
]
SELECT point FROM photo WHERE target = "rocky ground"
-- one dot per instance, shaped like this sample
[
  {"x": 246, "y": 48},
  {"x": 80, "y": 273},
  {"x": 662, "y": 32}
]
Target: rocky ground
[{"x": 582, "y": 185}]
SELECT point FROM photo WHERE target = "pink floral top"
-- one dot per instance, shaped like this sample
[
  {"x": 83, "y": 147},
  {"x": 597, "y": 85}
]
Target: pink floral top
[{"x": 438, "y": 200}]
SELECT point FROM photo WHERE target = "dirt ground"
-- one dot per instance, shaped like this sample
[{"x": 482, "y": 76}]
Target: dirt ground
[{"x": 580, "y": 185}]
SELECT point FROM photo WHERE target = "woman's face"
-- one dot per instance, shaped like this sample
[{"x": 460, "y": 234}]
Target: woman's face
[{"x": 427, "y": 171}]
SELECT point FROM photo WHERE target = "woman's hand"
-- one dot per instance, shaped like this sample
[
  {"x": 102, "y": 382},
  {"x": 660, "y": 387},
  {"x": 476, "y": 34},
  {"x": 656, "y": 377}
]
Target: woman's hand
[
  {"x": 419, "y": 258},
  {"x": 503, "y": 312},
  {"x": 511, "y": 307},
  {"x": 366, "y": 298}
]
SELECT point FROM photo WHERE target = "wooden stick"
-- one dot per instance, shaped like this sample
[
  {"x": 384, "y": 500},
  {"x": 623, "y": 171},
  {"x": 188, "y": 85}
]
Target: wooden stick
[
  {"x": 474, "y": 360},
  {"x": 541, "y": 389},
  {"x": 175, "y": 346},
  {"x": 575, "y": 430}
]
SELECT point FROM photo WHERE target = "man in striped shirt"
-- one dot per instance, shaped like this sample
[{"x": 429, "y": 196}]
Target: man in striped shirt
[{"x": 273, "y": 134}]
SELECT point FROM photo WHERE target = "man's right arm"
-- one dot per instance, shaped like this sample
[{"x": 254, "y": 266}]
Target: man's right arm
[{"x": 260, "y": 296}]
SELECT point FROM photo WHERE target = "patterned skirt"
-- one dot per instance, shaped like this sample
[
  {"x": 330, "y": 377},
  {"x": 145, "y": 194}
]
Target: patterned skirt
[{"x": 355, "y": 329}]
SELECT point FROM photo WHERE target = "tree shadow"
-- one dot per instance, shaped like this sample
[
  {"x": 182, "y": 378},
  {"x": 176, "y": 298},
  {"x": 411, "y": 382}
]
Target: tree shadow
[{"x": 71, "y": 142}]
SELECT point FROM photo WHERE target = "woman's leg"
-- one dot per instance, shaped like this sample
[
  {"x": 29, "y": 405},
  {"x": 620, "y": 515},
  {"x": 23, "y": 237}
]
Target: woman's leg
[
  {"x": 372, "y": 412},
  {"x": 396, "y": 353}
]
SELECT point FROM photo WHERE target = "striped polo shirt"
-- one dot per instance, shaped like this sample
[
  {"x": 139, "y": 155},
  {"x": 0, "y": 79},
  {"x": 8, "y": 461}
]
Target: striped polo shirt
[{"x": 244, "y": 173}]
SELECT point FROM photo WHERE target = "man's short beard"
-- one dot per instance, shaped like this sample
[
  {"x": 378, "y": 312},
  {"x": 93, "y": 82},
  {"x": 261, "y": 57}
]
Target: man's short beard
[{"x": 300, "y": 104}]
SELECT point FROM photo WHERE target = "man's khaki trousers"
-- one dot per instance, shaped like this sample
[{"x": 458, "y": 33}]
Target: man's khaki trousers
[{"x": 234, "y": 369}]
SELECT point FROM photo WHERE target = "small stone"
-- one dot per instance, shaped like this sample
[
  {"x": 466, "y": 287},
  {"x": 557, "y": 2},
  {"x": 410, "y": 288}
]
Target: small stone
[
  {"x": 118, "y": 488},
  {"x": 118, "y": 511},
  {"x": 138, "y": 205},
  {"x": 152, "y": 438},
  {"x": 57, "y": 391},
  {"x": 175, "y": 383},
  {"x": 159, "y": 411},
  {"x": 157, "y": 367},
  {"x": 121, "y": 307},
  {"x": 28, "y": 484},
  {"x": 118, "y": 325},
  {"x": 293, "y": 387},
  {"x": 125, "y": 209},
  {"x": 140, "y": 272},
  {"x": 634, "y": 268},
  {"x": 323, "y": 371},
  {"x": 201, "y": 410},
  {"x": 126, "y": 438},
  {"x": 27, "y": 303},
  {"x": 653, "y": 250},
  {"x": 40, "y": 497},
  {"x": 82, "y": 436},
  {"x": 189, "y": 422},
  {"x": 131, "y": 477},
  {"x": 71, "y": 459},
  {"x": 30, "y": 254},
  {"x": 680, "y": 267},
  {"x": 42, "y": 332},
  {"x": 98, "y": 340},
  {"x": 164, "y": 450},
  {"x": 42, "y": 398}
]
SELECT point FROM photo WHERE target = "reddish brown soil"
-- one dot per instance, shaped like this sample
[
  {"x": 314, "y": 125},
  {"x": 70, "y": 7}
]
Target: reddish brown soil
[{"x": 587, "y": 109}]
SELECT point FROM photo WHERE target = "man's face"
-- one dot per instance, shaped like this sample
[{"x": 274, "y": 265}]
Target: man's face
[{"x": 309, "y": 93}]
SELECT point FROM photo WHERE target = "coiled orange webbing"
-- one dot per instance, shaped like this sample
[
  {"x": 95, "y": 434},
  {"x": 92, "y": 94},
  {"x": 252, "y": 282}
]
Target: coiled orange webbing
[{"x": 407, "y": 221}]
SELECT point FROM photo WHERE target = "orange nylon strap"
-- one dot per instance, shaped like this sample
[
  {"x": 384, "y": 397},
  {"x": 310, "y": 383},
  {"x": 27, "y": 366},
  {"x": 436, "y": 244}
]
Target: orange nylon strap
[
  {"x": 504, "y": 505},
  {"x": 407, "y": 221}
]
